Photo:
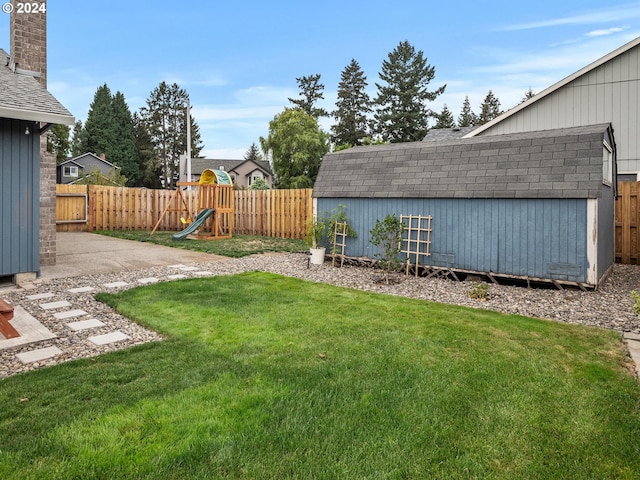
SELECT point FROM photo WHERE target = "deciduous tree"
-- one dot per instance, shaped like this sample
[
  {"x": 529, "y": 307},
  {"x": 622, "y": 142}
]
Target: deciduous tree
[
  {"x": 296, "y": 145},
  {"x": 58, "y": 142},
  {"x": 402, "y": 113}
]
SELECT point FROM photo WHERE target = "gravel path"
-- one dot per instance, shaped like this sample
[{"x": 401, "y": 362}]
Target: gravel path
[{"x": 609, "y": 307}]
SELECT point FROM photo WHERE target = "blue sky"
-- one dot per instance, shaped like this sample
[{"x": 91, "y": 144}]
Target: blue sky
[{"x": 238, "y": 60}]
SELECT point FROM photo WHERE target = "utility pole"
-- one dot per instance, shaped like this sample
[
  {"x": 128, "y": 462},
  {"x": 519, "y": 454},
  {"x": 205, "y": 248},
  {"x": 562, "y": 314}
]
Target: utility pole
[{"x": 188, "y": 141}]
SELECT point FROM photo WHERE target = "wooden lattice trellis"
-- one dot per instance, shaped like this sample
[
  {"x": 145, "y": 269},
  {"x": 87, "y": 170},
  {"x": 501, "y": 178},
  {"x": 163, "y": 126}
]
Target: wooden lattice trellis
[
  {"x": 416, "y": 240},
  {"x": 339, "y": 242}
]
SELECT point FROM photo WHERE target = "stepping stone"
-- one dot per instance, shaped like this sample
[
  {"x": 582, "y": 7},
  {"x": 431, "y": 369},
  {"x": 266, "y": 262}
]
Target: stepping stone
[
  {"x": 178, "y": 276},
  {"x": 116, "y": 284},
  {"x": 85, "y": 324},
  {"x": 40, "y": 296},
  {"x": 54, "y": 305},
  {"x": 37, "y": 355},
  {"x": 69, "y": 314},
  {"x": 203, "y": 273},
  {"x": 632, "y": 336},
  {"x": 148, "y": 280},
  {"x": 81, "y": 289},
  {"x": 188, "y": 269},
  {"x": 179, "y": 265},
  {"x": 107, "y": 338}
]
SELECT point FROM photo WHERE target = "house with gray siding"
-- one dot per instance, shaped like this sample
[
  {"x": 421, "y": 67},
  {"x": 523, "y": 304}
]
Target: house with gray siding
[
  {"x": 532, "y": 206},
  {"x": 73, "y": 169},
  {"x": 605, "y": 91}
]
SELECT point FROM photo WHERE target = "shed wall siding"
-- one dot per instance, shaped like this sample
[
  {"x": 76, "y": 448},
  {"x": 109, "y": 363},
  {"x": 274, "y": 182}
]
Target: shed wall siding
[
  {"x": 610, "y": 93},
  {"x": 19, "y": 199},
  {"x": 544, "y": 238},
  {"x": 606, "y": 231}
]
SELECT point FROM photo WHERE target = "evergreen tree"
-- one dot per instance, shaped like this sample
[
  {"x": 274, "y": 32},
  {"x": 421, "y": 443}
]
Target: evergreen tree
[
  {"x": 109, "y": 130},
  {"x": 527, "y": 95},
  {"x": 489, "y": 109},
  {"x": 467, "y": 118},
  {"x": 253, "y": 153},
  {"x": 402, "y": 114},
  {"x": 311, "y": 91},
  {"x": 58, "y": 142},
  {"x": 77, "y": 139},
  {"x": 445, "y": 118},
  {"x": 353, "y": 105},
  {"x": 100, "y": 131},
  {"x": 165, "y": 117},
  {"x": 150, "y": 167},
  {"x": 124, "y": 152},
  {"x": 296, "y": 144}
]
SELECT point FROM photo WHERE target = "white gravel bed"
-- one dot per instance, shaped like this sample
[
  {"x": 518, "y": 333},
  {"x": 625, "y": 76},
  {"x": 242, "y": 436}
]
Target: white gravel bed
[{"x": 611, "y": 306}]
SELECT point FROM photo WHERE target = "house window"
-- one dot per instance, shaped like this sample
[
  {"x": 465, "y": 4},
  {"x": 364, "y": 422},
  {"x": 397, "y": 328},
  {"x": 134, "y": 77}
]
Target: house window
[
  {"x": 607, "y": 164},
  {"x": 69, "y": 171}
]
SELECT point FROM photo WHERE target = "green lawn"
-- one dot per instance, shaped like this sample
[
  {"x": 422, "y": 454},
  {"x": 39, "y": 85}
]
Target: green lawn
[
  {"x": 235, "y": 247},
  {"x": 268, "y": 377}
]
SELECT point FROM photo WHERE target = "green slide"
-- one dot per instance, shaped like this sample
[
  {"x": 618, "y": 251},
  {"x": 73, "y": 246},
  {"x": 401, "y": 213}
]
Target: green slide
[{"x": 193, "y": 226}]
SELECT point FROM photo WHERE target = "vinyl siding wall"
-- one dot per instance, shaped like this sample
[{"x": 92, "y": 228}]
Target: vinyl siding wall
[
  {"x": 19, "y": 198},
  {"x": 610, "y": 93},
  {"x": 522, "y": 237}
]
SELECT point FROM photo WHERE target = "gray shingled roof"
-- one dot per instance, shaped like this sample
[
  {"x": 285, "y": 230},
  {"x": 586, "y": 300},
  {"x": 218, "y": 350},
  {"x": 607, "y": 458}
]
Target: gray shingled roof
[
  {"x": 23, "y": 98},
  {"x": 564, "y": 163},
  {"x": 198, "y": 165},
  {"x": 440, "y": 134}
]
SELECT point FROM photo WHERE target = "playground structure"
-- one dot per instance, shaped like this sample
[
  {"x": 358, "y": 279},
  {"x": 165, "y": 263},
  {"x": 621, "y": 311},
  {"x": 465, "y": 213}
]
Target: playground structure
[{"x": 214, "y": 220}]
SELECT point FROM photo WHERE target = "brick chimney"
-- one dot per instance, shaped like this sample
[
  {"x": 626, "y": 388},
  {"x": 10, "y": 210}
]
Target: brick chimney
[{"x": 28, "y": 38}]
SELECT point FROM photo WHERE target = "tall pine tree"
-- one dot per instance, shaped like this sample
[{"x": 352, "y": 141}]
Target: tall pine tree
[
  {"x": 109, "y": 130},
  {"x": 165, "y": 117},
  {"x": 125, "y": 153},
  {"x": 77, "y": 139},
  {"x": 353, "y": 106},
  {"x": 253, "y": 153},
  {"x": 445, "y": 118},
  {"x": 402, "y": 114},
  {"x": 58, "y": 142},
  {"x": 100, "y": 130},
  {"x": 489, "y": 109},
  {"x": 311, "y": 90},
  {"x": 150, "y": 166},
  {"x": 467, "y": 118}
]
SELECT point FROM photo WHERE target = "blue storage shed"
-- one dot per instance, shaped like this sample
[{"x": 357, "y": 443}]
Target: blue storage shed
[{"x": 534, "y": 206}]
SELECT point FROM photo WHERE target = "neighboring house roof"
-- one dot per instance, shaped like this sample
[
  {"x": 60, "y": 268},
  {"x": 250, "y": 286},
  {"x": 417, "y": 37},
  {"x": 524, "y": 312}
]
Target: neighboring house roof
[
  {"x": 200, "y": 164},
  {"x": 79, "y": 160},
  {"x": 556, "y": 86},
  {"x": 563, "y": 163},
  {"x": 23, "y": 98},
  {"x": 440, "y": 134}
]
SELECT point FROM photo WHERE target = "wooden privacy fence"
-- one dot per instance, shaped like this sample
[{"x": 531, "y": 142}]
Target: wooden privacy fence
[
  {"x": 628, "y": 223},
  {"x": 274, "y": 213}
]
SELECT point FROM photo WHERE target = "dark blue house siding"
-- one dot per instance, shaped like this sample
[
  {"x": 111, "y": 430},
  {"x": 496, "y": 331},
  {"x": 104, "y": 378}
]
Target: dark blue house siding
[
  {"x": 19, "y": 198},
  {"x": 543, "y": 238}
]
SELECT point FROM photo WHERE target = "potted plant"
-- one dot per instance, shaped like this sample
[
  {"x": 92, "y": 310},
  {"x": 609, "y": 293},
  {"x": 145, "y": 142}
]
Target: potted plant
[{"x": 317, "y": 232}]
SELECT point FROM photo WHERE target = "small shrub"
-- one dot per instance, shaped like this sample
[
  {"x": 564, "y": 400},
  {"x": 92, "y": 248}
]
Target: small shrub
[
  {"x": 480, "y": 291},
  {"x": 387, "y": 235},
  {"x": 636, "y": 306}
]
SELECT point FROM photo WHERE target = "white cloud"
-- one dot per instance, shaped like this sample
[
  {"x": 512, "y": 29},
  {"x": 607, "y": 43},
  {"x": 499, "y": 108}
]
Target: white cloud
[
  {"x": 607, "y": 14},
  {"x": 607, "y": 31}
]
